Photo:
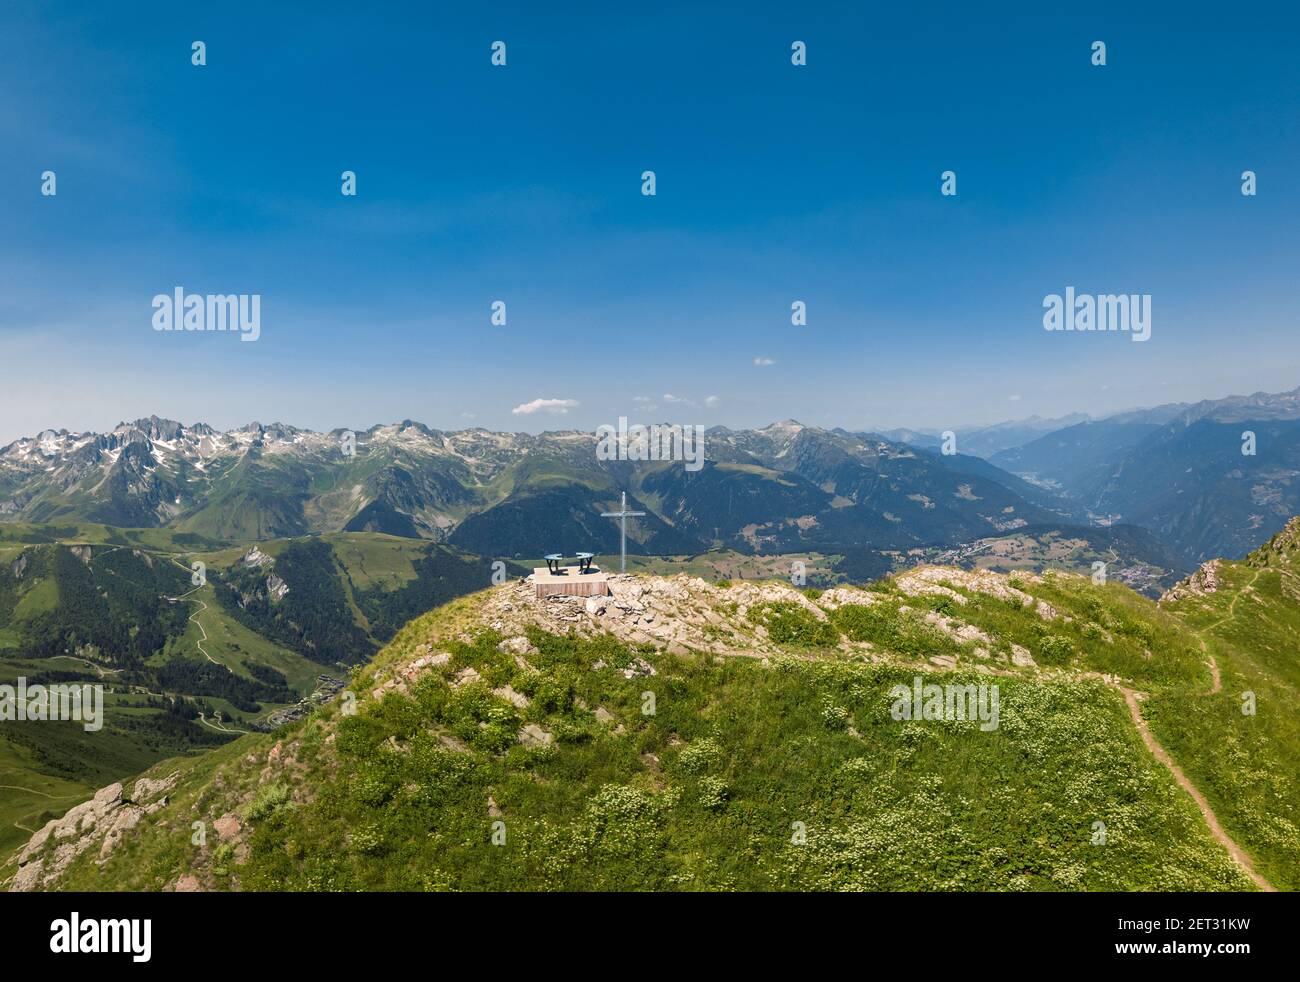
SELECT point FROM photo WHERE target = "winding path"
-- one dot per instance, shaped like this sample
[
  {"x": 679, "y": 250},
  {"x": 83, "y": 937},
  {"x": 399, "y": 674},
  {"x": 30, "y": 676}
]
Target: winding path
[
  {"x": 43, "y": 794},
  {"x": 98, "y": 668},
  {"x": 1134, "y": 701},
  {"x": 218, "y": 727},
  {"x": 194, "y": 617},
  {"x": 1207, "y": 813}
]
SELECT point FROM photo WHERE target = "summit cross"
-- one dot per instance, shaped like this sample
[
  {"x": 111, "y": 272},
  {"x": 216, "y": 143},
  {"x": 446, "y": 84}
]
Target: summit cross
[{"x": 622, "y": 515}]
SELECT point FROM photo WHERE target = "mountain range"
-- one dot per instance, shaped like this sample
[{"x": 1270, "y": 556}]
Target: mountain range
[
  {"x": 784, "y": 488},
  {"x": 1178, "y": 471},
  {"x": 1213, "y": 478}
]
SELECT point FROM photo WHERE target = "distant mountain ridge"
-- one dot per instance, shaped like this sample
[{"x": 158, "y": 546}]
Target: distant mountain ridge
[
  {"x": 989, "y": 440},
  {"x": 1213, "y": 478},
  {"x": 984, "y": 441},
  {"x": 1175, "y": 469},
  {"x": 784, "y": 487}
]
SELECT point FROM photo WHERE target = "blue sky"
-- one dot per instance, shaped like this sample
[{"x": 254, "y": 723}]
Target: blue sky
[{"x": 775, "y": 183}]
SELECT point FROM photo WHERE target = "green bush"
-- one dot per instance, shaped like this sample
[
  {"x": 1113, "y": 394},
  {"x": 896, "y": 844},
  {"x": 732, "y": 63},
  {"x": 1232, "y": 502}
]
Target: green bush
[
  {"x": 882, "y": 625},
  {"x": 941, "y": 604},
  {"x": 555, "y": 693},
  {"x": 700, "y": 756},
  {"x": 267, "y": 800},
  {"x": 789, "y": 623},
  {"x": 221, "y": 859},
  {"x": 1055, "y": 650},
  {"x": 712, "y": 793},
  {"x": 835, "y": 717}
]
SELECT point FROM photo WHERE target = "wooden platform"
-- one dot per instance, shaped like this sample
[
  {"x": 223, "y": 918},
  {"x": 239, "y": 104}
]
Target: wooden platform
[{"x": 570, "y": 583}]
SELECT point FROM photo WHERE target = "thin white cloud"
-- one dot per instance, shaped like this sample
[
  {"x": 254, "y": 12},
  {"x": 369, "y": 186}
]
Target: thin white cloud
[
  {"x": 648, "y": 404},
  {"x": 764, "y": 360},
  {"x": 558, "y": 406}
]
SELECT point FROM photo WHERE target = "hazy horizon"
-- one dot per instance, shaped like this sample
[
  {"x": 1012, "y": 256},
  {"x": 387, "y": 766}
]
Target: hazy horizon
[{"x": 554, "y": 424}]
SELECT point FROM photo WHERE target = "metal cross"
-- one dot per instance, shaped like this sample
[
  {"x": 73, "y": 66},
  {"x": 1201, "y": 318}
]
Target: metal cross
[{"x": 622, "y": 515}]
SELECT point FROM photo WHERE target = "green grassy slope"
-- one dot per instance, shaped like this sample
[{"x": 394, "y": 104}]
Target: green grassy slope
[
  {"x": 92, "y": 600},
  {"x": 30, "y": 796},
  {"x": 786, "y": 772},
  {"x": 1247, "y": 765}
]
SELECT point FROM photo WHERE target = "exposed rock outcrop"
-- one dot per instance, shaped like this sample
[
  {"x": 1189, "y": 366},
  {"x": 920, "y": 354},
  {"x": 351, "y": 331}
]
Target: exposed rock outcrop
[
  {"x": 104, "y": 819},
  {"x": 1204, "y": 580}
]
